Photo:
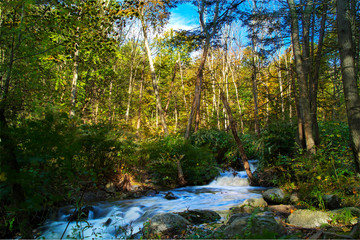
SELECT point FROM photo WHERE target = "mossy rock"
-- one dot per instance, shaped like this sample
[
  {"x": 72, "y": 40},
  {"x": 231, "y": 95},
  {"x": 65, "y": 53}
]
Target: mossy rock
[
  {"x": 164, "y": 224},
  {"x": 200, "y": 216},
  {"x": 256, "y": 225}
]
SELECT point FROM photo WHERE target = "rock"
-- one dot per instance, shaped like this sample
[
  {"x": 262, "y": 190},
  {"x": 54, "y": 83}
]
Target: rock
[
  {"x": 170, "y": 196},
  {"x": 331, "y": 201},
  {"x": 259, "y": 225},
  {"x": 107, "y": 223},
  {"x": 254, "y": 202},
  {"x": 294, "y": 198},
  {"x": 244, "y": 209},
  {"x": 282, "y": 210},
  {"x": 164, "y": 223},
  {"x": 200, "y": 216},
  {"x": 150, "y": 193},
  {"x": 274, "y": 196},
  {"x": 249, "y": 205},
  {"x": 309, "y": 219}
]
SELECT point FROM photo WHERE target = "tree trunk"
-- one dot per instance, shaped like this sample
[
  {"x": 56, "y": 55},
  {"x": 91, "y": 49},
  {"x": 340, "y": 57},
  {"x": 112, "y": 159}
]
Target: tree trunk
[
  {"x": 154, "y": 82},
  {"x": 195, "y": 107},
  {"x": 314, "y": 75},
  {"x": 281, "y": 90},
  {"x": 131, "y": 79},
  {"x": 8, "y": 159},
  {"x": 74, "y": 80},
  {"x": 182, "y": 84},
  {"x": 351, "y": 90},
  {"x": 170, "y": 91},
  {"x": 237, "y": 139},
  {"x": 255, "y": 92},
  {"x": 181, "y": 178},
  {"x": 138, "y": 124},
  {"x": 238, "y": 102},
  {"x": 302, "y": 74},
  {"x": 109, "y": 103}
]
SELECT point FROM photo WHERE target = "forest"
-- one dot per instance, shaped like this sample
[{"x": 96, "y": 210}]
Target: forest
[{"x": 99, "y": 92}]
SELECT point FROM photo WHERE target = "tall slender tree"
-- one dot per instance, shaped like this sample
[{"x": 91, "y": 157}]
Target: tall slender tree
[{"x": 351, "y": 88}]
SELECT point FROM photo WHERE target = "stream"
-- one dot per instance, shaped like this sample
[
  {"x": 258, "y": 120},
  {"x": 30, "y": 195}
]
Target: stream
[{"x": 119, "y": 219}]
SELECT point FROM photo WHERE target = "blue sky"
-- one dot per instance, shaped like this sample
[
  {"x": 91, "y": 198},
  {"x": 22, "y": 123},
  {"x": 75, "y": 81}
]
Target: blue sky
[{"x": 185, "y": 17}]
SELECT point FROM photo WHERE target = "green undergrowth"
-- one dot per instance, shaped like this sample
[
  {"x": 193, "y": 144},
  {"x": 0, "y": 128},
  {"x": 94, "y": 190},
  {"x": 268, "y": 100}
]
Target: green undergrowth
[
  {"x": 330, "y": 171},
  {"x": 162, "y": 157},
  {"x": 222, "y": 145}
]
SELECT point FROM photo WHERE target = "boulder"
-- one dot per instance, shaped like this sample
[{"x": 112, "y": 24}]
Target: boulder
[
  {"x": 294, "y": 198},
  {"x": 309, "y": 219},
  {"x": 256, "y": 225},
  {"x": 282, "y": 210},
  {"x": 254, "y": 202},
  {"x": 170, "y": 196},
  {"x": 331, "y": 201},
  {"x": 164, "y": 223},
  {"x": 150, "y": 193},
  {"x": 249, "y": 205},
  {"x": 200, "y": 216},
  {"x": 274, "y": 196}
]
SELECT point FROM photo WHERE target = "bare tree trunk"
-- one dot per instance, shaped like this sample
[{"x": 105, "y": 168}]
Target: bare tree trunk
[
  {"x": 170, "y": 91},
  {"x": 233, "y": 127},
  {"x": 238, "y": 102},
  {"x": 302, "y": 73},
  {"x": 196, "y": 102},
  {"x": 281, "y": 90},
  {"x": 351, "y": 89},
  {"x": 182, "y": 83},
  {"x": 74, "y": 80},
  {"x": 182, "y": 181},
  {"x": 154, "y": 82},
  {"x": 109, "y": 103},
  {"x": 254, "y": 77},
  {"x": 314, "y": 75},
  {"x": 131, "y": 78},
  {"x": 195, "y": 108},
  {"x": 176, "y": 114},
  {"x": 140, "y": 97}
]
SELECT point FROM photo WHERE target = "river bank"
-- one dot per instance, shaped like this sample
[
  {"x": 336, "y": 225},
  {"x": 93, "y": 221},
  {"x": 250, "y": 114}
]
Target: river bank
[{"x": 240, "y": 206}]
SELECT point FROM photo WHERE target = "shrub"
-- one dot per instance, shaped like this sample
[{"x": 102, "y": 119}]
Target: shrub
[
  {"x": 277, "y": 139},
  {"x": 223, "y": 146},
  {"x": 198, "y": 164}
]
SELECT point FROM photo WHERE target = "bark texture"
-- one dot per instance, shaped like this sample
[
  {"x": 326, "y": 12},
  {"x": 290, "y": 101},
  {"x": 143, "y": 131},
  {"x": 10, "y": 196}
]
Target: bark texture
[{"x": 351, "y": 90}]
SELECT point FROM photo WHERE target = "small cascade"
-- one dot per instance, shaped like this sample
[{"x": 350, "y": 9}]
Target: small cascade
[
  {"x": 234, "y": 178},
  {"x": 122, "y": 218},
  {"x": 231, "y": 178}
]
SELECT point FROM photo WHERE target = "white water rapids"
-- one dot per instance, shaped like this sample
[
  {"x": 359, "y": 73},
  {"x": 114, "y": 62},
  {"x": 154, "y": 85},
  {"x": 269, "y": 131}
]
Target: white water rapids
[{"x": 120, "y": 218}]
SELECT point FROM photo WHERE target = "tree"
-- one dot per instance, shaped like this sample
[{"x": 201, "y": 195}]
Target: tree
[
  {"x": 213, "y": 15},
  {"x": 351, "y": 89},
  {"x": 153, "y": 13},
  {"x": 301, "y": 64}
]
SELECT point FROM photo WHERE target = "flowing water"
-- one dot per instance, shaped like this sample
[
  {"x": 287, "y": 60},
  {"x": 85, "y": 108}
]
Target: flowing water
[{"x": 119, "y": 218}]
